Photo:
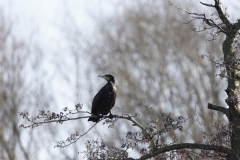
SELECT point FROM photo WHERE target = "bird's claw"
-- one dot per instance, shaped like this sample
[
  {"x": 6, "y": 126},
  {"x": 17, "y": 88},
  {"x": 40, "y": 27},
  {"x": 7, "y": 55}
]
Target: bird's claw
[
  {"x": 111, "y": 116},
  {"x": 99, "y": 116}
]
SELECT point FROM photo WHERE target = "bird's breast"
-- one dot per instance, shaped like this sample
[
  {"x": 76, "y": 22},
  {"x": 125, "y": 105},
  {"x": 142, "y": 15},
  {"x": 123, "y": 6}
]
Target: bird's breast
[{"x": 114, "y": 88}]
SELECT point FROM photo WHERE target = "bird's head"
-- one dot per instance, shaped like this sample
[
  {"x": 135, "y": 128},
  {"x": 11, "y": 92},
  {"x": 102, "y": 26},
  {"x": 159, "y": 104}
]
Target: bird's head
[{"x": 108, "y": 78}]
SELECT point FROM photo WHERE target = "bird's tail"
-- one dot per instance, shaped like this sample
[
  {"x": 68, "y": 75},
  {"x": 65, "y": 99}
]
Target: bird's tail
[{"x": 94, "y": 119}]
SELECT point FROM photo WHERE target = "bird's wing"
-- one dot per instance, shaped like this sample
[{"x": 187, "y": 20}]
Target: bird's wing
[
  {"x": 114, "y": 99},
  {"x": 96, "y": 101}
]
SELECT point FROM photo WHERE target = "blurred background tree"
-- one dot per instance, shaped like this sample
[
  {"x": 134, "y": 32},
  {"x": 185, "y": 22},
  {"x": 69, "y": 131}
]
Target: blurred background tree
[
  {"x": 21, "y": 88},
  {"x": 157, "y": 63}
]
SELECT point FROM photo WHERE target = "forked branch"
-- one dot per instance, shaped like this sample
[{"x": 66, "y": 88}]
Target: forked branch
[{"x": 210, "y": 22}]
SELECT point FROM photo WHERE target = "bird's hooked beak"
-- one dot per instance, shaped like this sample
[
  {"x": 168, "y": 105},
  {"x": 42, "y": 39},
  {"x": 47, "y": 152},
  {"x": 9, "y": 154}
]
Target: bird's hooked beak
[{"x": 105, "y": 77}]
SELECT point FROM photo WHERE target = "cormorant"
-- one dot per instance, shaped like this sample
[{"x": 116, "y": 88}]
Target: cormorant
[{"x": 104, "y": 100}]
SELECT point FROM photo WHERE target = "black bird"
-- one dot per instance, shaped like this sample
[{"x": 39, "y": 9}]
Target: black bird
[{"x": 104, "y": 100}]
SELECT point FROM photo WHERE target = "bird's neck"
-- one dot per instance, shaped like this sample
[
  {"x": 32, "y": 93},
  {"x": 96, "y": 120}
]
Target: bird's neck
[{"x": 111, "y": 82}]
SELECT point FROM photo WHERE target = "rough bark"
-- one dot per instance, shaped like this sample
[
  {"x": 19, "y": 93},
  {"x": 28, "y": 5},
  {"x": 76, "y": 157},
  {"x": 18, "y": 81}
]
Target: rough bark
[{"x": 232, "y": 68}]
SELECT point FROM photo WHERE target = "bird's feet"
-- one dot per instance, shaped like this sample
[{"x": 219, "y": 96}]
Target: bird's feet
[
  {"x": 111, "y": 116},
  {"x": 99, "y": 116}
]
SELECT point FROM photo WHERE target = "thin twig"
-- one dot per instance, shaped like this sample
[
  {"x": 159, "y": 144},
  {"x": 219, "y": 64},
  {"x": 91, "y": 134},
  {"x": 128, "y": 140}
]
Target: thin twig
[
  {"x": 203, "y": 17},
  {"x": 75, "y": 140}
]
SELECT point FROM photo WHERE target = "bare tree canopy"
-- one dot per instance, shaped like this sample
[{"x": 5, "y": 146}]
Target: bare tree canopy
[
  {"x": 162, "y": 66},
  {"x": 168, "y": 76},
  {"x": 18, "y": 92}
]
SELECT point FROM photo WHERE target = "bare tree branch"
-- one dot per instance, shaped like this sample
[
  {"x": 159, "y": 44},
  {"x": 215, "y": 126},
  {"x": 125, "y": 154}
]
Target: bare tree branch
[
  {"x": 73, "y": 138},
  {"x": 222, "y": 16},
  {"x": 188, "y": 146},
  {"x": 209, "y": 5},
  {"x": 219, "y": 108},
  {"x": 203, "y": 17}
]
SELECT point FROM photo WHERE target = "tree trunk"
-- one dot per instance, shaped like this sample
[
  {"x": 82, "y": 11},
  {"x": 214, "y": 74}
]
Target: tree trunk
[{"x": 230, "y": 59}]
